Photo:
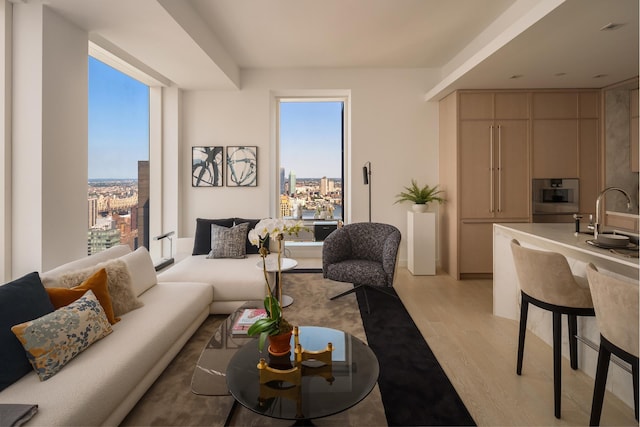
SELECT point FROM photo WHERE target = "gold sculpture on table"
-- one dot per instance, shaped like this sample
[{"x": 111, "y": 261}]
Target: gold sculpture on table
[
  {"x": 273, "y": 379},
  {"x": 294, "y": 374}
]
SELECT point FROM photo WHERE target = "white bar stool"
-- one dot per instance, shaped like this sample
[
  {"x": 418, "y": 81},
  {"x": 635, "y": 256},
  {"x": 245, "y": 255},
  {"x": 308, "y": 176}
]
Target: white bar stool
[
  {"x": 546, "y": 281},
  {"x": 616, "y": 305}
]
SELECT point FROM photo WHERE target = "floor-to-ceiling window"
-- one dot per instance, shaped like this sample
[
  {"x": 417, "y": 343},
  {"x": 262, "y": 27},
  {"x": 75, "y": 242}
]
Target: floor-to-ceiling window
[
  {"x": 118, "y": 181},
  {"x": 311, "y": 158}
]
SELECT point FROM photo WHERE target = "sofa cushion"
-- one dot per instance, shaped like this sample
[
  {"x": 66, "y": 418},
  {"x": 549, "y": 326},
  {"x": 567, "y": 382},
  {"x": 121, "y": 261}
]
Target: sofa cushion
[
  {"x": 123, "y": 298},
  {"x": 228, "y": 242},
  {"x": 20, "y": 300},
  {"x": 50, "y": 277},
  {"x": 232, "y": 279},
  {"x": 251, "y": 248},
  {"x": 142, "y": 270},
  {"x": 51, "y": 341},
  {"x": 97, "y": 283},
  {"x": 107, "y": 373},
  {"x": 202, "y": 239}
]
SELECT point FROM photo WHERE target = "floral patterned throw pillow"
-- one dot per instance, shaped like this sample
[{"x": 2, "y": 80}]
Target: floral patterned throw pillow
[{"x": 51, "y": 341}]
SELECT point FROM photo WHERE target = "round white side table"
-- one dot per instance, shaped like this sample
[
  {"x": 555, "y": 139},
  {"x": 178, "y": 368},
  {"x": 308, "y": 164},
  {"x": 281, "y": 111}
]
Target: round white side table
[{"x": 271, "y": 264}]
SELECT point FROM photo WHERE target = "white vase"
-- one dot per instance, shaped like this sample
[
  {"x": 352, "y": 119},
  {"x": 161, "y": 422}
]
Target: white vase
[{"x": 419, "y": 207}]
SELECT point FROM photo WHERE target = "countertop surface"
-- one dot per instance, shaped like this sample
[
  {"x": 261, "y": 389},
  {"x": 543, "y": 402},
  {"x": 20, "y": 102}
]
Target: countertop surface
[{"x": 564, "y": 235}]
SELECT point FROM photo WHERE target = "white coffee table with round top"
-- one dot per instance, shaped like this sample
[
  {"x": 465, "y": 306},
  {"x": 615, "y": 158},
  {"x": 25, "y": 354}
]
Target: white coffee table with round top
[{"x": 286, "y": 264}]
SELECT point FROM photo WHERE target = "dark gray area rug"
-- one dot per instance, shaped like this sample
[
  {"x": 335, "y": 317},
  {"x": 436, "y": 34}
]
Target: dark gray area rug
[
  {"x": 415, "y": 389},
  {"x": 170, "y": 402}
]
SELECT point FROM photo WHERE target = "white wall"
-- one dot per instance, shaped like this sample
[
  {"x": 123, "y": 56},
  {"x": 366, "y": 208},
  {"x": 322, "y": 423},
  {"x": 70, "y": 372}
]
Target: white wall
[
  {"x": 391, "y": 126},
  {"x": 49, "y": 140},
  {"x": 5, "y": 141}
]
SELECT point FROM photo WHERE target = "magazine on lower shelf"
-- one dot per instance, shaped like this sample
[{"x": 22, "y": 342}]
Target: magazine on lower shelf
[{"x": 247, "y": 318}]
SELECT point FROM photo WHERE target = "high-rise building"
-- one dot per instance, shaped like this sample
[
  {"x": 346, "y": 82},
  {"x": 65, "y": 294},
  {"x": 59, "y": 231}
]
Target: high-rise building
[
  {"x": 102, "y": 239},
  {"x": 285, "y": 205},
  {"x": 93, "y": 211},
  {"x": 324, "y": 187},
  {"x": 292, "y": 183},
  {"x": 282, "y": 181},
  {"x": 143, "y": 204}
]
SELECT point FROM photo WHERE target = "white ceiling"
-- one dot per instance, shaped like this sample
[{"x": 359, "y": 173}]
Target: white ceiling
[{"x": 205, "y": 44}]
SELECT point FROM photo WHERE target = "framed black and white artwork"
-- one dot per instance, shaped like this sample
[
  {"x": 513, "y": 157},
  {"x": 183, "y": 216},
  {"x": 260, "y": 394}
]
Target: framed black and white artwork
[
  {"x": 206, "y": 166},
  {"x": 242, "y": 166}
]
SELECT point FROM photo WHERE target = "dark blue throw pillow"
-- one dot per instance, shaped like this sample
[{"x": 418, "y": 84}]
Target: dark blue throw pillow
[
  {"x": 251, "y": 248},
  {"x": 22, "y": 300}
]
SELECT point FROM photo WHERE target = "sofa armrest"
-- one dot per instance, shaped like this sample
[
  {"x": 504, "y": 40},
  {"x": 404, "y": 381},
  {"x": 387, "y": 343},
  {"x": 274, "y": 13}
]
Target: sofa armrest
[{"x": 184, "y": 248}]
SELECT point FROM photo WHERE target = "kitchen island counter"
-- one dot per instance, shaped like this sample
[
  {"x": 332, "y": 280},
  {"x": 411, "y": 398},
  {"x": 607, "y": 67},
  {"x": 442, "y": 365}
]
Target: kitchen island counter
[{"x": 559, "y": 238}]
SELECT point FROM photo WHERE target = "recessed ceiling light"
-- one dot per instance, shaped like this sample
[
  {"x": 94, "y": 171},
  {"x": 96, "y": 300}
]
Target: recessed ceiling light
[
  {"x": 516, "y": 76},
  {"x": 599, "y": 76},
  {"x": 611, "y": 26}
]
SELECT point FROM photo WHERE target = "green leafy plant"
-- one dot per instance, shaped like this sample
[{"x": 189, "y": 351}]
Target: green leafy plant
[
  {"x": 273, "y": 324},
  {"x": 419, "y": 195}
]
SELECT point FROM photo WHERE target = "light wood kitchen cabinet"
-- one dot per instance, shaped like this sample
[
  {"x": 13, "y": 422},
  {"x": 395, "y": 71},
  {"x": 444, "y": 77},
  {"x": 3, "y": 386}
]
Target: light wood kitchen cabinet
[
  {"x": 565, "y": 140},
  {"x": 555, "y": 148},
  {"x": 493, "y": 105},
  {"x": 492, "y": 143},
  {"x": 494, "y": 179},
  {"x": 634, "y": 152},
  {"x": 485, "y": 139},
  {"x": 554, "y": 105},
  {"x": 476, "y": 248}
]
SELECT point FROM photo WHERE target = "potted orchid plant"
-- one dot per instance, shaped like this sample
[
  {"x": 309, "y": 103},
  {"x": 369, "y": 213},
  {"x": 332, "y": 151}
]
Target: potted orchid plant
[{"x": 274, "y": 326}]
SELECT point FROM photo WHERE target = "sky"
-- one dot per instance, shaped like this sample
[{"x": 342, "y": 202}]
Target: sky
[
  {"x": 310, "y": 132},
  {"x": 311, "y": 139},
  {"x": 118, "y": 123}
]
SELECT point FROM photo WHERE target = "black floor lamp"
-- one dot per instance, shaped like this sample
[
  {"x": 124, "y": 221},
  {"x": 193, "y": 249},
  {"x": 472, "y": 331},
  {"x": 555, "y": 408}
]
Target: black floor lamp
[{"x": 366, "y": 175}]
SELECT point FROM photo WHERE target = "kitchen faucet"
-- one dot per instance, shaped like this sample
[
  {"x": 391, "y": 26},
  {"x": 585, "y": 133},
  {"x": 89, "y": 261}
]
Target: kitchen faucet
[{"x": 596, "y": 225}]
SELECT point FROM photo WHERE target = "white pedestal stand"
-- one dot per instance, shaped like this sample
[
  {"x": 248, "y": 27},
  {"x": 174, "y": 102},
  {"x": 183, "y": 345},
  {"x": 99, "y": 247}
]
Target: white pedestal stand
[{"x": 421, "y": 243}]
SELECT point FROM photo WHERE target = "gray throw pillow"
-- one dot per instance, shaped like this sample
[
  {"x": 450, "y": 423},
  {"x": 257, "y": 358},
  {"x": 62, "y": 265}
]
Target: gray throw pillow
[{"x": 229, "y": 242}]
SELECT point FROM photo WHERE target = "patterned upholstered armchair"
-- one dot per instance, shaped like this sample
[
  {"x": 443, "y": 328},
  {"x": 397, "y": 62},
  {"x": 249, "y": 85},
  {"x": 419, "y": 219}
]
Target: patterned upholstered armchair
[{"x": 364, "y": 254}]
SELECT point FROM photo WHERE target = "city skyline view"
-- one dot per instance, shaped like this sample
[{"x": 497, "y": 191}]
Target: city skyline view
[
  {"x": 310, "y": 147},
  {"x": 118, "y": 133},
  {"x": 118, "y": 154}
]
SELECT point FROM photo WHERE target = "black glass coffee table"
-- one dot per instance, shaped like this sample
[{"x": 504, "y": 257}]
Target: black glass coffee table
[
  {"x": 209, "y": 375},
  {"x": 324, "y": 389}
]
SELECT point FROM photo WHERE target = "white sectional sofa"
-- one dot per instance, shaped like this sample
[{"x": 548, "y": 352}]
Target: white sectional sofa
[
  {"x": 234, "y": 281},
  {"x": 103, "y": 383}
]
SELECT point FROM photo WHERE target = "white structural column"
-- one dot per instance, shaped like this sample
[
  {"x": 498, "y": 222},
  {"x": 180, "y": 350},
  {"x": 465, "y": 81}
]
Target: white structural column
[
  {"x": 49, "y": 139},
  {"x": 421, "y": 243}
]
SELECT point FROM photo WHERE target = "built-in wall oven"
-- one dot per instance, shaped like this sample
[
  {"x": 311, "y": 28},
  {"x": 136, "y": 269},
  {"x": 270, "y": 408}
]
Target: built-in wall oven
[{"x": 555, "y": 199}]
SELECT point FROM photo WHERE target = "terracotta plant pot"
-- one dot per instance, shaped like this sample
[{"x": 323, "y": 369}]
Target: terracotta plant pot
[{"x": 280, "y": 345}]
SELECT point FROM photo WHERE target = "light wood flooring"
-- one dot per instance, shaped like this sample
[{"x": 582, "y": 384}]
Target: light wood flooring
[
  {"x": 478, "y": 353},
  {"x": 477, "y": 350}
]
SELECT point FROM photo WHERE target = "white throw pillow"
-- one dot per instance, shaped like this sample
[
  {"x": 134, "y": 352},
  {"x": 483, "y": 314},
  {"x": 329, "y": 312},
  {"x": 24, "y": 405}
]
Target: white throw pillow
[
  {"x": 142, "y": 270},
  {"x": 123, "y": 298},
  {"x": 50, "y": 278}
]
